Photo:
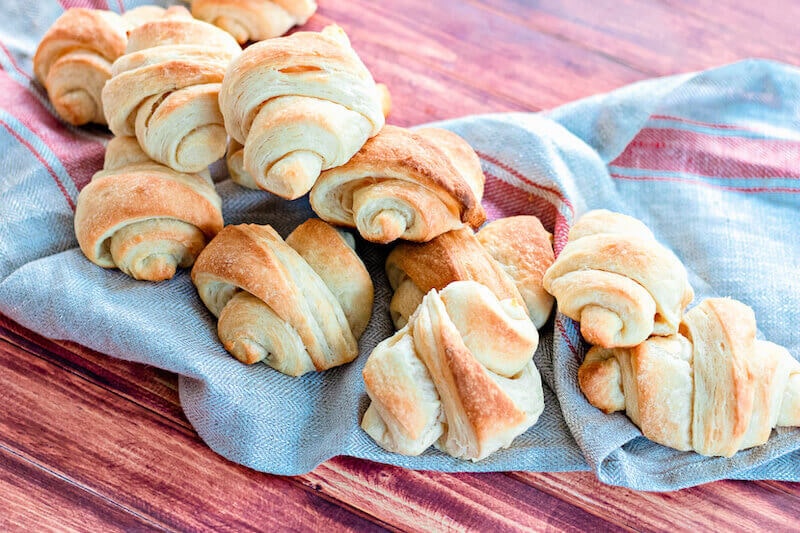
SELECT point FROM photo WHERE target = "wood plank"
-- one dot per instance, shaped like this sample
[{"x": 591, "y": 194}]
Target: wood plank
[
  {"x": 719, "y": 506},
  {"x": 441, "y": 501},
  {"x": 150, "y": 387},
  {"x": 140, "y": 461},
  {"x": 33, "y": 496},
  {"x": 419, "y": 94},
  {"x": 498, "y": 56},
  {"x": 663, "y": 37}
]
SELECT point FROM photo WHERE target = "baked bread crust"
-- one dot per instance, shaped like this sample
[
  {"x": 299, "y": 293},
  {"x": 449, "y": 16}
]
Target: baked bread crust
[
  {"x": 299, "y": 305},
  {"x": 404, "y": 184},
  {"x": 254, "y": 20},
  {"x": 460, "y": 375},
  {"x": 712, "y": 387},
  {"x": 73, "y": 59},
  {"x": 618, "y": 281},
  {"x": 299, "y": 105},
  {"x": 144, "y": 218},
  {"x": 164, "y": 90},
  {"x": 508, "y": 255}
]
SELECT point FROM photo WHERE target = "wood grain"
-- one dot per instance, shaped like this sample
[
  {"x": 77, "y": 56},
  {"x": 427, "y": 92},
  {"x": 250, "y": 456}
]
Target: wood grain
[
  {"x": 441, "y": 501},
  {"x": 88, "y": 442},
  {"x": 140, "y": 461},
  {"x": 34, "y": 495},
  {"x": 714, "y": 506}
]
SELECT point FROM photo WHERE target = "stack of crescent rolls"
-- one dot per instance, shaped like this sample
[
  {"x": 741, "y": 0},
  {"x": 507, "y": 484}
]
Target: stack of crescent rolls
[
  {"x": 302, "y": 115},
  {"x": 696, "y": 380}
]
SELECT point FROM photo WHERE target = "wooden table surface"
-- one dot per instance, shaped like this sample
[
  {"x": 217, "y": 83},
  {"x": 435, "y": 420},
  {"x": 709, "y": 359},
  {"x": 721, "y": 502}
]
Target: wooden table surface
[{"x": 91, "y": 443}]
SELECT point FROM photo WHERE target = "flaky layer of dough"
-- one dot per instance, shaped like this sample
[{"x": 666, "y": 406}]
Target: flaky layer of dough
[
  {"x": 164, "y": 90},
  {"x": 509, "y": 256},
  {"x": 73, "y": 60},
  {"x": 299, "y": 105},
  {"x": 254, "y": 20}
]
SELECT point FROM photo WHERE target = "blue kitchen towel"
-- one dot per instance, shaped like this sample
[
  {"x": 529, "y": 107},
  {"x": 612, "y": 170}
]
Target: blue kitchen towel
[{"x": 709, "y": 161}]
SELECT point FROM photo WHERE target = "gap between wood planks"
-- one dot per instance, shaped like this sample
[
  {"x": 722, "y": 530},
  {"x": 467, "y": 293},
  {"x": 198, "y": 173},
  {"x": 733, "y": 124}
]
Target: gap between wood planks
[
  {"x": 710, "y": 507},
  {"x": 27, "y": 461}
]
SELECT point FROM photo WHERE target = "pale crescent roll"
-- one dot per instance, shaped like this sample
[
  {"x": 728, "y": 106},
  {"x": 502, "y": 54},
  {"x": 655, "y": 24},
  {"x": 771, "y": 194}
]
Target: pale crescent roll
[
  {"x": 254, "y": 20},
  {"x": 618, "y": 281},
  {"x": 299, "y": 105},
  {"x": 144, "y": 218},
  {"x": 508, "y": 255},
  {"x": 73, "y": 59},
  {"x": 713, "y": 387},
  {"x": 404, "y": 184},
  {"x": 459, "y": 375},
  {"x": 299, "y": 305},
  {"x": 235, "y": 155},
  {"x": 164, "y": 90}
]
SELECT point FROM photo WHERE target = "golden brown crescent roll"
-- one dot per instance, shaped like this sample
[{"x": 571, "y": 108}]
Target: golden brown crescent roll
[
  {"x": 509, "y": 256},
  {"x": 164, "y": 90},
  {"x": 712, "y": 388},
  {"x": 299, "y": 105},
  {"x": 73, "y": 60},
  {"x": 404, "y": 184},
  {"x": 298, "y": 305},
  {"x": 618, "y": 281},
  {"x": 460, "y": 376},
  {"x": 254, "y": 20},
  {"x": 144, "y": 218}
]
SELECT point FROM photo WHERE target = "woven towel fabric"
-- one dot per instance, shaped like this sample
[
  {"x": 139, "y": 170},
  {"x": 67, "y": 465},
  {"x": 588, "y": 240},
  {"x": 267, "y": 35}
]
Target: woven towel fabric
[{"x": 710, "y": 161}]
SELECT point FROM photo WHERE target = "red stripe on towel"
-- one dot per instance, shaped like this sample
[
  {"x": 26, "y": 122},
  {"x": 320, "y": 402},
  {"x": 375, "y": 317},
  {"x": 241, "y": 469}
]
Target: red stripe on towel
[
  {"x": 708, "y": 155},
  {"x": 93, "y": 4},
  {"x": 501, "y": 199},
  {"x": 527, "y": 180},
  {"x": 712, "y": 125},
  {"x": 13, "y": 61},
  {"x": 561, "y": 224},
  {"x": 565, "y": 335},
  {"x": 706, "y": 184},
  {"x": 42, "y": 161},
  {"x": 81, "y": 157}
]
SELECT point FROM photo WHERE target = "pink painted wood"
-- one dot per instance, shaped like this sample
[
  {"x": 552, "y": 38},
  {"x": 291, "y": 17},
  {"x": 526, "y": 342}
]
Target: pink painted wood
[{"x": 88, "y": 442}]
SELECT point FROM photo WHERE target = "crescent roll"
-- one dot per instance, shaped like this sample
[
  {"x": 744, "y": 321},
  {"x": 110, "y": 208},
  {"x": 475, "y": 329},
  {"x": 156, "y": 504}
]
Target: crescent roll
[
  {"x": 509, "y": 256},
  {"x": 459, "y": 375},
  {"x": 144, "y": 218},
  {"x": 254, "y": 20},
  {"x": 299, "y": 105},
  {"x": 618, "y": 281},
  {"x": 164, "y": 90},
  {"x": 712, "y": 388},
  {"x": 299, "y": 305},
  {"x": 404, "y": 184},
  {"x": 73, "y": 60},
  {"x": 235, "y": 156}
]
